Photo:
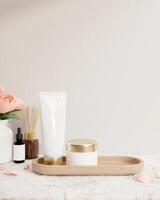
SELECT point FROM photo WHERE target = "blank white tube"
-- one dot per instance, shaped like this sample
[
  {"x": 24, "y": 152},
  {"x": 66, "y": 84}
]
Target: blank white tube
[{"x": 53, "y": 112}]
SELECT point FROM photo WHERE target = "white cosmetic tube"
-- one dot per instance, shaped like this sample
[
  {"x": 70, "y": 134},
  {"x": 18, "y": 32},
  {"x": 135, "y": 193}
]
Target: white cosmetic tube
[{"x": 53, "y": 112}]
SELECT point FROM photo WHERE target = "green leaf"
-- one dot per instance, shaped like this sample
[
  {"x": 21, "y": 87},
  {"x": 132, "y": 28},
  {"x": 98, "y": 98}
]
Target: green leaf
[{"x": 16, "y": 114}]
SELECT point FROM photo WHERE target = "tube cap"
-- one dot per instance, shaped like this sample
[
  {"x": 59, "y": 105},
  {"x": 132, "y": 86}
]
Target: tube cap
[{"x": 53, "y": 161}]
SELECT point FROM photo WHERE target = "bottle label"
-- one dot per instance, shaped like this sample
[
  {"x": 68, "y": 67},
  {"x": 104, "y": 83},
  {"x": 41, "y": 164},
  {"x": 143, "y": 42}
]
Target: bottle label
[{"x": 19, "y": 152}]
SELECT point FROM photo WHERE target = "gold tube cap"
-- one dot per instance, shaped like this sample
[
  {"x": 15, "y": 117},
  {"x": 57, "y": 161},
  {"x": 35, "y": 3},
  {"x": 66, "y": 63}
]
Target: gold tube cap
[
  {"x": 53, "y": 161},
  {"x": 81, "y": 145}
]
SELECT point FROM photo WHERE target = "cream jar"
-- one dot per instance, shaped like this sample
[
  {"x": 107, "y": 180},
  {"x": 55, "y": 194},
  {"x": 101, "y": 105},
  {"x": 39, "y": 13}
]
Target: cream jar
[{"x": 81, "y": 152}]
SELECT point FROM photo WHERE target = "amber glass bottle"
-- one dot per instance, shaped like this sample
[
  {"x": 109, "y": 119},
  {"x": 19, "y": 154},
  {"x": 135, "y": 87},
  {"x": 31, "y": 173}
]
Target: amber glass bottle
[
  {"x": 31, "y": 146},
  {"x": 19, "y": 148}
]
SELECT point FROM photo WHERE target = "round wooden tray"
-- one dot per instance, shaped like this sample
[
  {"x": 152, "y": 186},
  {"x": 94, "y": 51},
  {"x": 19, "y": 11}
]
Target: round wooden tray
[{"x": 107, "y": 165}]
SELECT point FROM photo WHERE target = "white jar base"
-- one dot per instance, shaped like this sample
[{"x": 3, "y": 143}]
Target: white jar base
[{"x": 84, "y": 158}]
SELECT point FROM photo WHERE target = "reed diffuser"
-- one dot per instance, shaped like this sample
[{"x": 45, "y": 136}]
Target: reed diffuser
[{"x": 31, "y": 117}]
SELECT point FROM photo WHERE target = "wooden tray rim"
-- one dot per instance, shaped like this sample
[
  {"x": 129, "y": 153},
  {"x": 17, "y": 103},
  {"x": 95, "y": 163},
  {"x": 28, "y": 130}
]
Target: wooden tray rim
[
  {"x": 139, "y": 161},
  {"x": 95, "y": 170}
]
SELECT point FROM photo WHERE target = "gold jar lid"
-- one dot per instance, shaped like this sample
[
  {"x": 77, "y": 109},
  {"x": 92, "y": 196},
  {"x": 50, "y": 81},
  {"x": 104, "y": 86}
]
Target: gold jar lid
[{"x": 81, "y": 145}]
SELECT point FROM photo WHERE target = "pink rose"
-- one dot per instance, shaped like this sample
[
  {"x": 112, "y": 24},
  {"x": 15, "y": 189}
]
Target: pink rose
[
  {"x": 2, "y": 91},
  {"x": 8, "y": 102}
]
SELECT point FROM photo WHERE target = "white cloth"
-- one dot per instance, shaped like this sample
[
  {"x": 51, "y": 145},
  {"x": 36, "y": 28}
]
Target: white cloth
[{"x": 28, "y": 185}]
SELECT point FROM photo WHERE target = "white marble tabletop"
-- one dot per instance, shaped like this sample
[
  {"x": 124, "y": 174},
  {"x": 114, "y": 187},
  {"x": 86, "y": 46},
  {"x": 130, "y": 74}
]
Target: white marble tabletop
[{"x": 28, "y": 185}]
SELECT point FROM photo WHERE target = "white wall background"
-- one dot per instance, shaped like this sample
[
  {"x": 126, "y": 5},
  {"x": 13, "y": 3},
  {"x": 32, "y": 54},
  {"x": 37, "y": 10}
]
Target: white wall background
[{"x": 105, "y": 53}]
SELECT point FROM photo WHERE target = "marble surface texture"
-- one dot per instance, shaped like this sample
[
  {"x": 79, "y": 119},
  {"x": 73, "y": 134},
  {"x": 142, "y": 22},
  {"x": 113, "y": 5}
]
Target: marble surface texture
[{"x": 28, "y": 185}]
